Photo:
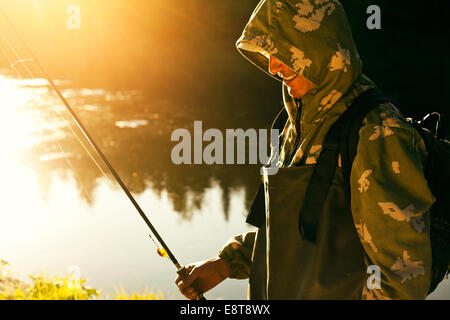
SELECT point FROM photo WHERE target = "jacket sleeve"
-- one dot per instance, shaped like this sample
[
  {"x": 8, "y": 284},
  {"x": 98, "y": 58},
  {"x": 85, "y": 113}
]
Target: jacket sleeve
[
  {"x": 390, "y": 202},
  {"x": 237, "y": 253}
]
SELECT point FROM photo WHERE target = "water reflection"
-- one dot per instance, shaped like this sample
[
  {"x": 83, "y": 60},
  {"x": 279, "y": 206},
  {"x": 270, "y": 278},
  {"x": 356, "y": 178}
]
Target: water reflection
[{"x": 133, "y": 131}]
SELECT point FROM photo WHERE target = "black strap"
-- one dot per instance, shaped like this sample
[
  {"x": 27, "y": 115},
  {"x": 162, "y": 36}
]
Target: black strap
[
  {"x": 352, "y": 124},
  {"x": 341, "y": 138},
  {"x": 257, "y": 212},
  {"x": 319, "y": 184}
]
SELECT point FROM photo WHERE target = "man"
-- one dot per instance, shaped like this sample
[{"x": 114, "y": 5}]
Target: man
[{"x": 309, "y": 47}]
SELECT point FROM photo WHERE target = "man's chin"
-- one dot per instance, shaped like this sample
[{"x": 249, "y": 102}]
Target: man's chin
[{"x": 295, "y": 93}]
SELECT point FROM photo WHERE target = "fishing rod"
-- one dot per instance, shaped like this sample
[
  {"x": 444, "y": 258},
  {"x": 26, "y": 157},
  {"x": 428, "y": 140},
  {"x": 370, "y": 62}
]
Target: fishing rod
[{"x": 164, "y": 251}]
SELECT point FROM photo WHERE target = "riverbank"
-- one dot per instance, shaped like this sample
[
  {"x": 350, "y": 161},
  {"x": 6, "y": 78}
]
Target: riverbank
[{"x": 43, "y": 287}]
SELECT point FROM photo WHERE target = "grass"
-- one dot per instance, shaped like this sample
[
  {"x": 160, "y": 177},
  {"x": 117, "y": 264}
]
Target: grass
[{"x": 43, "y": 287}]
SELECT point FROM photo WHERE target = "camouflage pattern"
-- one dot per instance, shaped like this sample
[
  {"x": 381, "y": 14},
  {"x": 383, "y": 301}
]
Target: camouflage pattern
[
  {"x": 390, "y": 197},
  {"x": 238, "y": 254},
  {"x": 390, "y": 203}
]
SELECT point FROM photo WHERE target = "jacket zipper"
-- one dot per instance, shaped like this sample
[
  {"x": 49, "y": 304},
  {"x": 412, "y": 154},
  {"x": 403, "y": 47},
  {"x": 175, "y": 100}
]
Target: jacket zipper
[{"x": 297, "y": 138}]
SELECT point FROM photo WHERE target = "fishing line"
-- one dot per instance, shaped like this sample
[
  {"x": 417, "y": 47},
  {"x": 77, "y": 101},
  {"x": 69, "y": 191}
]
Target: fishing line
[
  {"x": 61, "y": 116},
  {"x": 163, "y": 251},
  {"x": 21, "y": 61},
  {"x": 10, "y": 62}
]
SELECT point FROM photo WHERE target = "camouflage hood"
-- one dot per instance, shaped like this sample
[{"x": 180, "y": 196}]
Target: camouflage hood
[{"x": 314, "y": 39}]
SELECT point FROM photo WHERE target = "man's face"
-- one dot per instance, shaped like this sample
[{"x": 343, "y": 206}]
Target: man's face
[{"x": 297, "y": 85}]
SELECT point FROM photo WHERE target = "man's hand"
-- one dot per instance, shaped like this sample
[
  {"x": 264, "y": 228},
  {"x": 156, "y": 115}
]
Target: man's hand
[{"x": 202, "y": 276}]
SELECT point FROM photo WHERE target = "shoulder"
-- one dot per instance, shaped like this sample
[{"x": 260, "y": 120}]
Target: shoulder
[
  {"x": 386, "y": 115},
  {"x": 385, "y": 124}
]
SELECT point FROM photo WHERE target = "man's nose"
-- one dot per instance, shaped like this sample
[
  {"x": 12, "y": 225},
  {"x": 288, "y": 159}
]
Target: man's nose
[{"x": 275, "y": 65}]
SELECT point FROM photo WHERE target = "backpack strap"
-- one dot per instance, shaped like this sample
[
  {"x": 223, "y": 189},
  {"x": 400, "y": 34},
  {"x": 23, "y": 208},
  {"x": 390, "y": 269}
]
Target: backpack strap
[
  {"x": 342, "y": 138},
  {"x": 366, "y": 102}
]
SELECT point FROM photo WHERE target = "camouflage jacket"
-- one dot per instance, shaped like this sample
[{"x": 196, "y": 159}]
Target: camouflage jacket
[{"x": 390, "y": 198}]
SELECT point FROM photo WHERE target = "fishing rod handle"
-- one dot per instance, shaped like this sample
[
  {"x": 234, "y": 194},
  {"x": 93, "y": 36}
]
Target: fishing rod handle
[{"x": 182, "y": 272}]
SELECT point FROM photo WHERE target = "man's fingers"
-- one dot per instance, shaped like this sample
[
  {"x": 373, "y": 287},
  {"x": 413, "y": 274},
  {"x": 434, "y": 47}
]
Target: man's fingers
[
  {"x": 178, "y": 280},
  {"x": 180, "y": 277},
  {"x": 187, "y": 285},
  {"x": 188, "y": 281},
  {"x": 190, "y": 293}
]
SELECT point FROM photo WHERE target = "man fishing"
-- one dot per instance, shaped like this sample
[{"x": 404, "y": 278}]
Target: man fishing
[{"x": 383, "y": 224}]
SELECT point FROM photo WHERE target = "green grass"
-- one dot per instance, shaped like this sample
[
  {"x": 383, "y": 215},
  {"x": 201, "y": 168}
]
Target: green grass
[{"x": 43, "y": 287}]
